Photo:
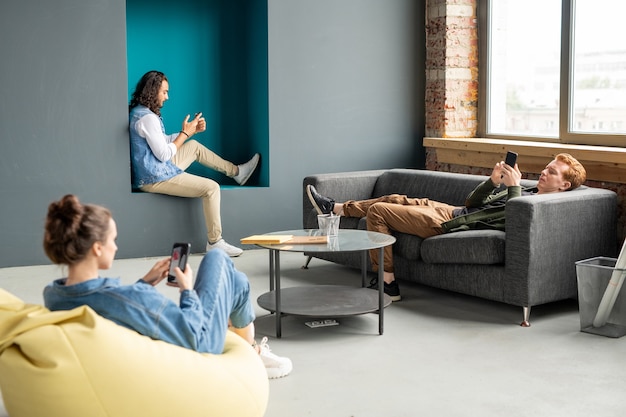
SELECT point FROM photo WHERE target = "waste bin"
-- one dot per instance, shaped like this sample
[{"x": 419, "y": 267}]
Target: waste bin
[{"x": 601, "y": 298}]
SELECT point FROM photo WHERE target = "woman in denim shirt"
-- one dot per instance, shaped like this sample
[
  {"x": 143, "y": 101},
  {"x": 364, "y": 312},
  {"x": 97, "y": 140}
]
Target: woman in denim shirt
[
  {"x": 159, "y": 160},
  {"x": 82, "y": 236}
]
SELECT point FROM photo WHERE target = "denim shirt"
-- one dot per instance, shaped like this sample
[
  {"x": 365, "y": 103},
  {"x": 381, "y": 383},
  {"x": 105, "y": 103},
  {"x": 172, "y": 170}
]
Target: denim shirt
[
  {"x": 146, "y": 167},
  {"x": 139, "y": 307}
]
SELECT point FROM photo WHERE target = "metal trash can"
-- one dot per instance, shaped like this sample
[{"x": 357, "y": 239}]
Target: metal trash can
[{"x": 601, "y": 298}]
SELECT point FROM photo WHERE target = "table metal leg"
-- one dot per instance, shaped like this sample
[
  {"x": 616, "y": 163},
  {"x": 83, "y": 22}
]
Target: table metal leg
[
  {"x": 363, "y": 267},
  {"x": 275, "y": 286},
  {"x": 277, "y": 292},
  {"x": 381, "y": 289},
  {"x": 272, "y": 269}
]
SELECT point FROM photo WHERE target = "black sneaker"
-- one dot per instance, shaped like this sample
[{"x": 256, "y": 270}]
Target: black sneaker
[
  {"x": 392, "y": 290},
  {"x": 322, "y": 204}
]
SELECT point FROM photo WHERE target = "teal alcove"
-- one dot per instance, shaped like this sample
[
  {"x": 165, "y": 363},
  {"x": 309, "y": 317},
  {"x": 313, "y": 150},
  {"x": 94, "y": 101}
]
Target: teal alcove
[{"x": 214, "y": 54}]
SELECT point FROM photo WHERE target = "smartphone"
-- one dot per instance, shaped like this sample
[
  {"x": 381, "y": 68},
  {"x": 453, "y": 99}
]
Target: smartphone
[
  {"x": 511, "y": 159},
  {"x": 180, "y": 253}
]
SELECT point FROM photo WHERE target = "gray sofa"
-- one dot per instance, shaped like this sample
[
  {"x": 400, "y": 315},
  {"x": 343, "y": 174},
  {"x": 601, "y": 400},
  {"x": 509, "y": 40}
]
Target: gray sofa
[{"x": 532, "y": 263}]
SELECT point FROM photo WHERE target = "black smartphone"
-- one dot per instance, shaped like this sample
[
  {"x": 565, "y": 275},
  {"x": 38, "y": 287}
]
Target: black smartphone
[
  {"x": 511, "y": 159},
  {"x": 180, "y": 253}
]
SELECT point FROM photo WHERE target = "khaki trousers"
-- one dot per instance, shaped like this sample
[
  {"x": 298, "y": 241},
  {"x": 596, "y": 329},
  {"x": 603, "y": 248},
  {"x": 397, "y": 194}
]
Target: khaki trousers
[
  {"x": 416, "y": 216},
  {"x": 188, "y": 185}
]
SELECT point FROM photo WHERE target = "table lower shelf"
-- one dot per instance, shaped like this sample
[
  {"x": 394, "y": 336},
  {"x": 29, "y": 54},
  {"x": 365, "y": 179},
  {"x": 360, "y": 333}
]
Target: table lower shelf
[{"x": 324, "y": 301}]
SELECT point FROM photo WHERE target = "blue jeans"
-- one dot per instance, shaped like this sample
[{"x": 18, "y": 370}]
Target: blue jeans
[
  {"x": 198, "y": 322},
  {"x": 224, "y": 293}
]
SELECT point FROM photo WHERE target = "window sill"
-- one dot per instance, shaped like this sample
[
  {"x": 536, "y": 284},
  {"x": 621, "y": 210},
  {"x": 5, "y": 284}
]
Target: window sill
[{"x": 602, "y": 163}]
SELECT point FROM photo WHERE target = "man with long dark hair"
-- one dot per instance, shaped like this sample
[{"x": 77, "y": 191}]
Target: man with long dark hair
[{"x": 159, "y": 160}]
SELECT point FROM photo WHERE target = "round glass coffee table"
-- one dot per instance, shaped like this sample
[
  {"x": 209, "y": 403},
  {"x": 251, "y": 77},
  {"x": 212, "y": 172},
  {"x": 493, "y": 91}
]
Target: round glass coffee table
[{"x": 325, "y": 301}]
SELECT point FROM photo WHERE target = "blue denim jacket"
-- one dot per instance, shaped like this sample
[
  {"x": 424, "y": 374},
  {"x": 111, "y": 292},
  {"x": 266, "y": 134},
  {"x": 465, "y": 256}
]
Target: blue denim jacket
[
  {"x": 146, "y": 168},
  {"x": 140, "y": 304}
]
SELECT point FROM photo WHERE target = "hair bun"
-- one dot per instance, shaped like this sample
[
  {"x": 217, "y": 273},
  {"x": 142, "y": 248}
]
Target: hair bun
[{"x": 69, "y": 210}]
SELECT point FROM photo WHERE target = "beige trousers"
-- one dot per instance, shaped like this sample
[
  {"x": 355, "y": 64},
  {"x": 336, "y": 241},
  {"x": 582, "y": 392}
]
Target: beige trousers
[
  {"x": 416, "y": 216},
  {"x": 188, "y": 185}
]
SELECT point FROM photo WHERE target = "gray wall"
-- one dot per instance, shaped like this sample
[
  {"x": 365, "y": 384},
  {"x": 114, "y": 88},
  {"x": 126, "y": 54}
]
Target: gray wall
[{"x": 346, "y": 85}]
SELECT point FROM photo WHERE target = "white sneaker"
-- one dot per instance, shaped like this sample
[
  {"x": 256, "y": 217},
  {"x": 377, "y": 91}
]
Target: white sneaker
[
  {"x": 246, "y": 170},
  {"x": 276, "y": 366},
  {"x": 230, "y": 250}
]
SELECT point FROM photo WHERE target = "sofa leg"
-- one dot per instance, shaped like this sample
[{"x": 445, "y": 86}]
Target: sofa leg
[
  {"x": 526, "y": 313},
  {"x": 306, "y": 264}
]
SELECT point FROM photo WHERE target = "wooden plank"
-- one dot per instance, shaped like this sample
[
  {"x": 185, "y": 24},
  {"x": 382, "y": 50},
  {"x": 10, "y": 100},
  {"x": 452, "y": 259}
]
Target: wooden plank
[{"x": 602, "y": 163}]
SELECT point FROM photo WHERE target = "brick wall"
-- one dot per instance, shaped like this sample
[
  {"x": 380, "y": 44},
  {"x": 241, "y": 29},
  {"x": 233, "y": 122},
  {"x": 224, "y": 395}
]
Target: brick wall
[{"x": 451, "y": 68}]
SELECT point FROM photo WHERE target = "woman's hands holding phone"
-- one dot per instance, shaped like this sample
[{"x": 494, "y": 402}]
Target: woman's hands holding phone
[
  {"x": 184, "y": 279},
  {"x": 158, "y": 272}
]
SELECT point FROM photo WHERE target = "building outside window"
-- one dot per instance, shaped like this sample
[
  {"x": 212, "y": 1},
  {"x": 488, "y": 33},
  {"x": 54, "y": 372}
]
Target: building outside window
[{"x": 555, "y": 70}]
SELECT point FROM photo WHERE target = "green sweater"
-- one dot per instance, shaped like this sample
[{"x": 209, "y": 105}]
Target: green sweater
[{"x": 484, "y": 208}]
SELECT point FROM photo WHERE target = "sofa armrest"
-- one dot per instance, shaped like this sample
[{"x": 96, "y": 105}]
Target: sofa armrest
[
  {"x": 546, "y": 235},
  {"x": 343, "y": 186}
]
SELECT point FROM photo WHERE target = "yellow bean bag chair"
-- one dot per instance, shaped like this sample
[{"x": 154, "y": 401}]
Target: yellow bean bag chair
[{"x": 77, "y": 363}]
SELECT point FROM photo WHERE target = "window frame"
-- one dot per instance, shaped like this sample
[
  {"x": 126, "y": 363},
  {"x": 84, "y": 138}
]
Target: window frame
[{"x": 565, "y": 136}]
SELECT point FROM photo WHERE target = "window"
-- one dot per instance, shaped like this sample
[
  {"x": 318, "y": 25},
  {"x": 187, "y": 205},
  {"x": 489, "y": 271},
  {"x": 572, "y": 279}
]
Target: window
[{"x": 555, "y": 70}]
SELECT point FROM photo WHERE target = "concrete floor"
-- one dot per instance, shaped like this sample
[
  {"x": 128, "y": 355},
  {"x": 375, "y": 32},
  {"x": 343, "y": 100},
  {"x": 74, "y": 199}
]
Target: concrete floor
[{"x": 442, "y": 354}]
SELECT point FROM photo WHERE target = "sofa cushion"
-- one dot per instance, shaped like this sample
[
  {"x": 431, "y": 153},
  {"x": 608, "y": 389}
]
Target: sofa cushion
[
  {"x": 467, "y": 247},
  {"x": 77, "y": 363},
  {"x": 481, "y": 247},
  {"x": 407, "y": 246}
]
